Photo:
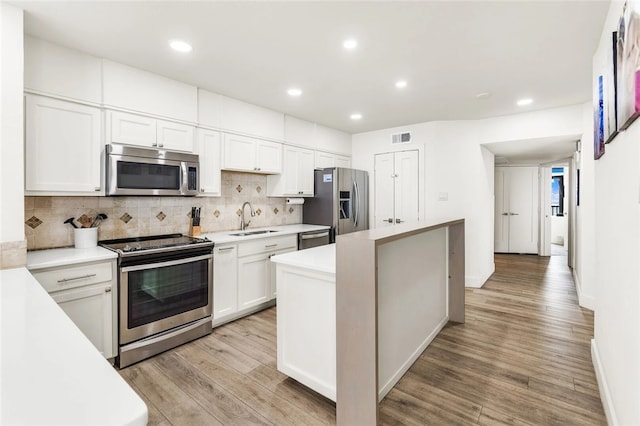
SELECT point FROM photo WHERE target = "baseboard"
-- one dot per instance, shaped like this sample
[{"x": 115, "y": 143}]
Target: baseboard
[
  {"x": 584, "y": 301},
  {"x": 605, "y": 395},
  {"x": 477, "y": 282}
]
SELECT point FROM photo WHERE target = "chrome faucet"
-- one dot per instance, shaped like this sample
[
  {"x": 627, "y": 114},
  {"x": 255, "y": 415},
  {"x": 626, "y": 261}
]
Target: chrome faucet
[{"x": 243, "y": 224}]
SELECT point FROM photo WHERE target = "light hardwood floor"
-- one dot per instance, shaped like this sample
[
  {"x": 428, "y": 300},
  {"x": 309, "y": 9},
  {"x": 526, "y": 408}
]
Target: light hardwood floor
[{"x": 522, "y": 357}]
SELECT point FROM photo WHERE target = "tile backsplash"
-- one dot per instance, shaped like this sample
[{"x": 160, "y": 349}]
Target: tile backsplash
[{"x": 138, "y": 216}]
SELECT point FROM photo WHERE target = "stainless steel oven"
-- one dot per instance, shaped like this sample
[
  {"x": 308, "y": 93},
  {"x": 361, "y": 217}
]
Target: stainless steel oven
[{"x": 165, "y": 294}]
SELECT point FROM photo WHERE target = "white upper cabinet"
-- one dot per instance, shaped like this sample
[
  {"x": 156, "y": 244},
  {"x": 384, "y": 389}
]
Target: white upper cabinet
[
  {"x": 328, "y": 139},
  {"x": 241, "y": 117},
  {"x": 54, "y": 70},
  {"x": 246, "y": 154},
  {"x": 63, "y": 147},
  {"x": 209, "y": 154},
  {"x": 138, "y": 130},
  {"x": 326, "y": 159},
  {"x": 209, "y": 109},
  {"x": 297, "y": 175},
  {"x": 299, "y": 132},
  {"x": 315, "y": 136},
  {"x": 136, "y": 90}
]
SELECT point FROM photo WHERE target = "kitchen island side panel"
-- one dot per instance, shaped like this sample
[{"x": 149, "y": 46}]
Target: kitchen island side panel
[{"x": 356, "y": 332}]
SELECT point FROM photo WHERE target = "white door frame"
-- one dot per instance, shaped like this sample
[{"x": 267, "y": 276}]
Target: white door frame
[{"x": 545, "y": 206}]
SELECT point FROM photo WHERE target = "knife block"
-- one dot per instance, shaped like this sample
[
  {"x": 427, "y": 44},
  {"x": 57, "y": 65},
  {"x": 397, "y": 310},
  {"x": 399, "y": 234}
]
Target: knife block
[{"x": 194, "y": 231}]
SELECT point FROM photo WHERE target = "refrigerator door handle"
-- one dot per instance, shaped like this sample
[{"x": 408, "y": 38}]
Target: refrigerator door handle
[{"x": 356, "y": 203}]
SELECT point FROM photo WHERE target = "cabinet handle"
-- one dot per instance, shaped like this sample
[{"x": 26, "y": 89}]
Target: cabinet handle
[
  {"x": 226, "y": 248},
  {"x": 399, "y": 221},
  {"x": 154, "y": 144},
  {"x": 97, "y": 188},
  {"x": 160, "y": 145},
  {"x": 65, "y": 280},
  {"x": 107, "y": 290},
  {"x": 201, "y": 189},
  {"x": 388, "y": 220},
  {"x": 271, "y": 245}
]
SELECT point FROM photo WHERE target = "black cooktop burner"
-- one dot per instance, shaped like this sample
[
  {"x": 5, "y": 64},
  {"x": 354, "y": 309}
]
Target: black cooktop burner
[{"x": 152, "y": 242}]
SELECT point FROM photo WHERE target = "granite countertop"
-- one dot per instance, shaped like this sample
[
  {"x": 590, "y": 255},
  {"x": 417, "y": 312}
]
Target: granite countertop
[
  {"x": 51, "y": 373},
  {"x": 321, "y": 259}
]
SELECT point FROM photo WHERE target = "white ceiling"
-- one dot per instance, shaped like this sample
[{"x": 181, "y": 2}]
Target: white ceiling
[
  {"x": 534, "y": 151},
  {"x": 254, "y": 51}
]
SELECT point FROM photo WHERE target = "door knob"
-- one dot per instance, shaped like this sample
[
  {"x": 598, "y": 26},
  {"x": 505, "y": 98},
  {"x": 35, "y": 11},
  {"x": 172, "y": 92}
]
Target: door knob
[
  {"x": 399, "y": 221},
  {"x": 505, "y": 214},
  {"x": 388, "y": 220}
]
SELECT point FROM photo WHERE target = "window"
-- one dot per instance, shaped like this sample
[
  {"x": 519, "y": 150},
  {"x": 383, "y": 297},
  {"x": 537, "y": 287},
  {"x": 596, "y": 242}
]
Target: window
[{"x": 557, "y": 195}]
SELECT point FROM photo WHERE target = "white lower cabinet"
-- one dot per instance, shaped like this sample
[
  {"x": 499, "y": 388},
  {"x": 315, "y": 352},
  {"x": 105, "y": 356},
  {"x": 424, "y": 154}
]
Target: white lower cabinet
[
  {"x": 244, "y": 277},
  {"x": 225, "y": 281},
  {"x": 87, "y": 294},
  {"x": 91, "y": 310},
  {"x": 253, "y": 285}
]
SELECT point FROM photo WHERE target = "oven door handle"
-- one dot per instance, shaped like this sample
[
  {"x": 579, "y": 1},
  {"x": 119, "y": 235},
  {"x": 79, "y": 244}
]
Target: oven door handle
[{"x": 166, "y": 263}]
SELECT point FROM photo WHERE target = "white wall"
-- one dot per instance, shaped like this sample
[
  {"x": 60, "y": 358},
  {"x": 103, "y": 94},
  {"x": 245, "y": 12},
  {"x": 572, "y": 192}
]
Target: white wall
[
  {"x": 11, "y": 127},
  {"x": 455, "y": 163},
  {"x": 610, "y": 225}
]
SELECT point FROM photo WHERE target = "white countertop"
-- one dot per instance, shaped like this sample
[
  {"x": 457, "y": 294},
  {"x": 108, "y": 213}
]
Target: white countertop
[
  {"x": 225, "y": 237},
  {"x": 66, "y": 256},
  {"x": 321, "y": 258},
  {"x": 50, "y": 372}
]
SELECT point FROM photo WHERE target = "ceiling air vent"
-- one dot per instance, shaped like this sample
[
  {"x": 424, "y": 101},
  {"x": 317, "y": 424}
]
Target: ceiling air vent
[{"x": 401, "y": 138}]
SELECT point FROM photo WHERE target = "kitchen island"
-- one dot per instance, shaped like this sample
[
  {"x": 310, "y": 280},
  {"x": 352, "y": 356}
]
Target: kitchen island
[
  {"x": 354, "y": 316},
  {"x": 50, "y": 372}
]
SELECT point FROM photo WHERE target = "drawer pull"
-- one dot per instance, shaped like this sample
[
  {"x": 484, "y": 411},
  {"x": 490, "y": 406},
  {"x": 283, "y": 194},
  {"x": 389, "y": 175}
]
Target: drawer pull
[
  {"x": 107, "y": 290},
  {"x": 271, "y": 245},
  {"x": 66, "y": 280},
  {"x": 226, "y": 248}
]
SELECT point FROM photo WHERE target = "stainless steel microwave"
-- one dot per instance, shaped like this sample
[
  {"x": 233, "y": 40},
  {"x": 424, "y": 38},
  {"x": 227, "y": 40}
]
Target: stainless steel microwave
[{"x": 142, "y": 171}]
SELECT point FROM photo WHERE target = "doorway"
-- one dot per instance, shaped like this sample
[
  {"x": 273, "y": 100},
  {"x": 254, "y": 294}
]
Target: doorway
[
  {"x": 516, "y": 210},
  {"x": 555, "y": 196}
]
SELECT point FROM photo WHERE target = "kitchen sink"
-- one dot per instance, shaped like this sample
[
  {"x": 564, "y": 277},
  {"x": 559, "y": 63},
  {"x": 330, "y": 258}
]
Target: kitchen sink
[{"x": 244, "y": 234}]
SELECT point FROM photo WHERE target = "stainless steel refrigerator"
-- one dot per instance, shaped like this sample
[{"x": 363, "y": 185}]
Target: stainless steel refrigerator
[{"x": 341, "y": 201}]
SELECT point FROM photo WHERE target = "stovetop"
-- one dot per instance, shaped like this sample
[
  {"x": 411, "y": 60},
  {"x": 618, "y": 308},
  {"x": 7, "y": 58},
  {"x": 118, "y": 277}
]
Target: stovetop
[{"x": 154, "y": 242}]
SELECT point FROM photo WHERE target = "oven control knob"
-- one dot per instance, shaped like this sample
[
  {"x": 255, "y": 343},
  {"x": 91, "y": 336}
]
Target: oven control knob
[
  {"x": 126, "y": 248},
  {"x": 138, "y": 247}
]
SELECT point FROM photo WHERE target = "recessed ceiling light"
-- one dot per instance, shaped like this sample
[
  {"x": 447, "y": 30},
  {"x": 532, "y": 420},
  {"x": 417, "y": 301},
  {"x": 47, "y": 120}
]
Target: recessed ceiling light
[
  {"x": 180, "y": 46},
  {"x": 523, "y": 102},
  {"x": 483, "y": 95},
  {"x": 294, "y": 92},
  {"x": 356, "y": 116},
  {"x": 350, "y": 43},
  {"x": 401, "y": 84}
]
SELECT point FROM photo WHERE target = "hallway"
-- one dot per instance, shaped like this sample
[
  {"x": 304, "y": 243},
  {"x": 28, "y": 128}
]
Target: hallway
[{"x": 522, "y": 357}]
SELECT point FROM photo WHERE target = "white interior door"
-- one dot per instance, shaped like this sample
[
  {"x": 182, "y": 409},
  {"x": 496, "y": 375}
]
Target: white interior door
[
  {"x": 516, "y": 215},
  {"x": 406, "y": 187},
  {"x": 523, "y": 210},
  {"x": 396, "y": 188},
  {"x": 384, "y": 190}
]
